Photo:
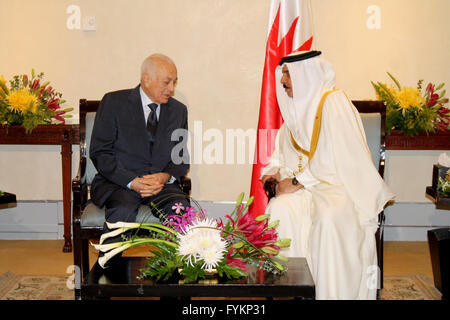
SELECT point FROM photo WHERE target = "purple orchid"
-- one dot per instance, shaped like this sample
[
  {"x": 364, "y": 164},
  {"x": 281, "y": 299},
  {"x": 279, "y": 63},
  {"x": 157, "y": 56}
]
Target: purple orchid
[{"x": 179, "y": 222}]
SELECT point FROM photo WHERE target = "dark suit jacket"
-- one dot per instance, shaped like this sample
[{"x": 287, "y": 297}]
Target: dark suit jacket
[{"x": 120, "y": 147}]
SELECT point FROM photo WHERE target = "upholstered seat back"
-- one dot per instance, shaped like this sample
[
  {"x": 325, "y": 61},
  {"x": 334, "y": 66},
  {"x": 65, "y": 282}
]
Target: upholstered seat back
[
  {"x": 90, "y": 168},
  {"x": 372, "y": 128}
]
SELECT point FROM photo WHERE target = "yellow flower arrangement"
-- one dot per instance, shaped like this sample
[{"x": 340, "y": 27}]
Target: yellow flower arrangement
[
  {"x": 408, "y": 111},
  {"x": 29, "y": 102}
]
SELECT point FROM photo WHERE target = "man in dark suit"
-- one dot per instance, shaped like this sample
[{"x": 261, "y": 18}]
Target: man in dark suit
[{"x": 133, "y": 149}]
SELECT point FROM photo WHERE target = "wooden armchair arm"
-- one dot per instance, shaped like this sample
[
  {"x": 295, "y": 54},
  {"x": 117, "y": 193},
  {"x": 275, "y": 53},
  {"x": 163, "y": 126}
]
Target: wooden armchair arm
[{"x": 185, "y": 185}]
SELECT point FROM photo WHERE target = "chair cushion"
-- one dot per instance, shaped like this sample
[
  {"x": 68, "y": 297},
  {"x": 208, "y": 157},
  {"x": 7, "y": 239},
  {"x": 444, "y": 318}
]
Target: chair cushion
[
  {"x": 94, "y": 217},
  {"x": 372, "y": 128}
]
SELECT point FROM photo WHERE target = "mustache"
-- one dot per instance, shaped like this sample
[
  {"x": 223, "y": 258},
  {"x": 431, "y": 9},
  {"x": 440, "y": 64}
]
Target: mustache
[{"x": 285, "y": 86}]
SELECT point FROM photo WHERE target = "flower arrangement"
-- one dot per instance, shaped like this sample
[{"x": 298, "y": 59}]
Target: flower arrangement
[
  {"x": 29, "y": 102},
  {"x": 410, "y": 111},
  {"x": 444, "y": 185},
  {"x": 194, "y": 245}
]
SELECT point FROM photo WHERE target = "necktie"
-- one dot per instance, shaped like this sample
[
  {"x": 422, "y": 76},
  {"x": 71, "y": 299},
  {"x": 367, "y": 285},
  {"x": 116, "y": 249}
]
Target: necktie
[{"x": 152, "y": 121}]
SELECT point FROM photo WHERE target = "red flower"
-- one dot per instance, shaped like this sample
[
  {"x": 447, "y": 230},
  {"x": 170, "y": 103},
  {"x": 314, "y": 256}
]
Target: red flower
[
  {"x": 236, "y": 262},
  {"x": 53, "y": 104},
  {"x": 57, "y": 116},
  {"x": 34, "y": 85},
  {"x": 255, "y": 231},
  {"x": 443, "y": 124},
  {"x": 433, "y": 99}
]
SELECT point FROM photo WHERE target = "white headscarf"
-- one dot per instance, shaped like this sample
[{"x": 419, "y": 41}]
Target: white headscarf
[{"x": 310, "y": 78}]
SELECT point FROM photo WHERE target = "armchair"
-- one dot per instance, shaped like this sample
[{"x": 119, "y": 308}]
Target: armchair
[{"x": 87, "y": 218}]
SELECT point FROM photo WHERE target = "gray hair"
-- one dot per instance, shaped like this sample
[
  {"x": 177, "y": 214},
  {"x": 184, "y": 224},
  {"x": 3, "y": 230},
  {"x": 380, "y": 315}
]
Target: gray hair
[{"x": 151, "y": 63}]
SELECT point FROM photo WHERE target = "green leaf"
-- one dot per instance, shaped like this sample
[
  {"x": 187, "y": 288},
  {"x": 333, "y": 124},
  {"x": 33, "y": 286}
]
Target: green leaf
[
  {"x": 230, "y": 271},
  {"x": 238, "y": 245},
  {"x": 273, "y": 224},
  {"x": 239, "y": 199},
  {"x": 439, "y": 87},
  {"x": 163, "y": 264},
  {"x": 193, "y": 273},
  {"x": 262, "y": 217},
  {"x": 281, "y": 257},
  {"x": 238, "y": 203},
  {"x": 283, "y": 243},
  {"x": 419, "y": 84},
  {"x": 278, "y": 265},
  {"x": 249, "y": 202},
  {"x": 4, "y": 87},
  {"x": 395, "y": 81},
  {"x": 269, "y": 250}
]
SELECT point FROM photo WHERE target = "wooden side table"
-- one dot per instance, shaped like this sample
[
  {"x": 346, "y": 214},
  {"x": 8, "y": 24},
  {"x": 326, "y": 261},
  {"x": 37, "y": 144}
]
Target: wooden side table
[
  {"x": 64, "y": 135},
  {"x": 422, "y": 141}
]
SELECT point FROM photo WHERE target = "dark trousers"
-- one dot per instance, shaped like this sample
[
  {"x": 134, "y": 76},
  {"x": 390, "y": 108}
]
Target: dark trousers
[{"x": 123, "y": 205}]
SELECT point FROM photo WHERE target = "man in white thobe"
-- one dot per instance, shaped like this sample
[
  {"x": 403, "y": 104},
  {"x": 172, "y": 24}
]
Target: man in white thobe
[{"x": 329, "y": 193}]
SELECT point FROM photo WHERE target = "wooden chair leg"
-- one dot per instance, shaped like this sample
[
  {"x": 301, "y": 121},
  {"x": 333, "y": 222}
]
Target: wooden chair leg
[
  {"x": 77, "y": 258},
  {"x": 381, "y": 257},
  {"x": 85, "y": 256},
  {"x": 379, "y": 239}
]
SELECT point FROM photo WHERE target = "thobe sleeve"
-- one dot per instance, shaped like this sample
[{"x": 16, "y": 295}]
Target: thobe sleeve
[
  {"x": 352, "y": 159},
  {"x": 306, "y": 178}
]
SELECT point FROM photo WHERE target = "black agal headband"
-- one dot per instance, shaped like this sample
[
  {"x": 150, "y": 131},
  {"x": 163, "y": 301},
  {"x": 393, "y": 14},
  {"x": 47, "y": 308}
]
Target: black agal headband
[{"x": 298, "y": 56}]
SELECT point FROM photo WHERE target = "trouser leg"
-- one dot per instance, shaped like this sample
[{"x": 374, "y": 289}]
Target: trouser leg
[
  {"x": 123, "y": 206},
  {"x": 167, "y": 198}
]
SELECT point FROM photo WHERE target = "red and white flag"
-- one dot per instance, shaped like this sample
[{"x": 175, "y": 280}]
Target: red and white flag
[{"x": 290, "y": 30}]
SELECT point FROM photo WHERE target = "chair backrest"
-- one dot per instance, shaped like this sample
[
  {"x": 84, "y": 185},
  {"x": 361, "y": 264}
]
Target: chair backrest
[
  {"x": 88, "y": 109},
  {"x": 373, "y": 116}
]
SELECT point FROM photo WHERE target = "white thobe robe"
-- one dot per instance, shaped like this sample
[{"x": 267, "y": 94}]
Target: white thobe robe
[{"x": 333, "y": 220}]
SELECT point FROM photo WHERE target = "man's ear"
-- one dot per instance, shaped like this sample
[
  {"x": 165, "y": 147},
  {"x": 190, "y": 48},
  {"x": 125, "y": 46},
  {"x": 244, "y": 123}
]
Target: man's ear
[{"x": 146, "y": 79}]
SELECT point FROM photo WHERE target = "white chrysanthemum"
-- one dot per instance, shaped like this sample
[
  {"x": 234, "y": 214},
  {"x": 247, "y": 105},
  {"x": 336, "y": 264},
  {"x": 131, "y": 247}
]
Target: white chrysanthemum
[
  {"x": 202, "y": 241},
  {"x": 188, "y": 247}
]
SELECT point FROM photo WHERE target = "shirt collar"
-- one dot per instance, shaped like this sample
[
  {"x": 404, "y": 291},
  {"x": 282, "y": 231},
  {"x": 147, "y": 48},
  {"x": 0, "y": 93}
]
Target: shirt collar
[{"x": 145, "y": 102}]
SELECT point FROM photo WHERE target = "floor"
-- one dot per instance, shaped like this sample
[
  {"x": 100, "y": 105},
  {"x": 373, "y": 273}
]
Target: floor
[{"x": 39, "y": 257}]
